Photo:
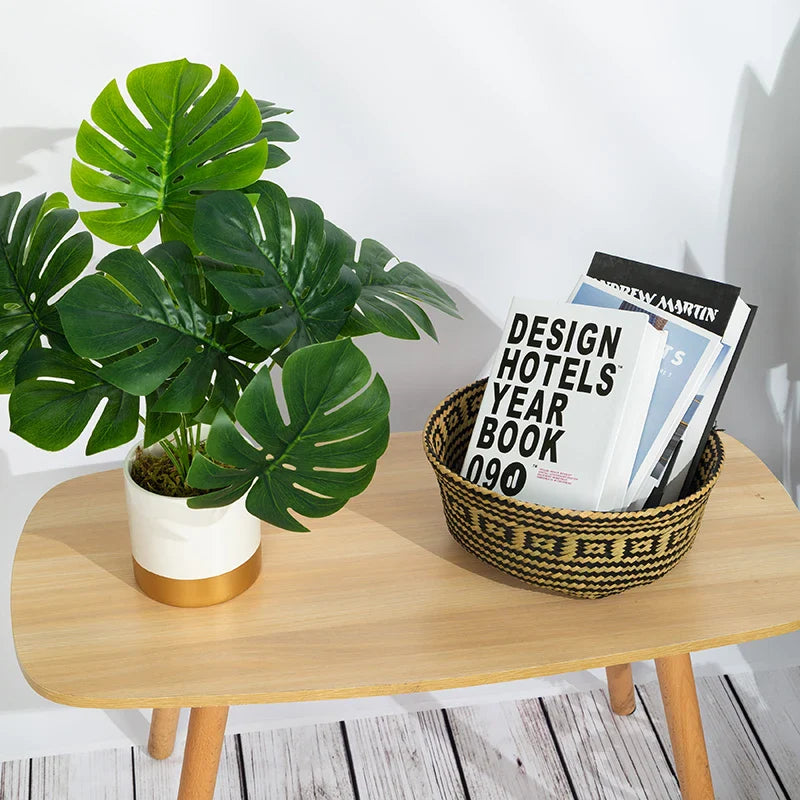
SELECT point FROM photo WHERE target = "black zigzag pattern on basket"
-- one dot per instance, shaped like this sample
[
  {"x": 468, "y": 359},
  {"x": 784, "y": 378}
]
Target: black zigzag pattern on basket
[
  {"x": 580, "y": 583},
  {"x": 578, "y": 553}
]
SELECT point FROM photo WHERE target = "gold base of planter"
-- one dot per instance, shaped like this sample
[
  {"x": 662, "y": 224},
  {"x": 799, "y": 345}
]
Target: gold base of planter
[{"x": 200, "y": 592}]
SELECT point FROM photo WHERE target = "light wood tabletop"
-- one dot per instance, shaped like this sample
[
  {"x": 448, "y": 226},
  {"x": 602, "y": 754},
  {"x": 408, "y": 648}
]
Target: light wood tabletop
[{"x": 377, "y": 599}]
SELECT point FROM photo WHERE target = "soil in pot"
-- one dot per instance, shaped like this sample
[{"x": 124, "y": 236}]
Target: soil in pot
[{"x": 158, "y": 474}]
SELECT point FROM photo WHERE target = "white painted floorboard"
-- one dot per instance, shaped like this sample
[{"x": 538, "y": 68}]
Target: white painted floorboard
[
  {"x": 103, "y": 775},
  {"x": 738, "y": 766},
  {"x": 772, "y": 703},
  {"x": 159, "y": 780},
  {"x": 404, "y": 757},
  {"x": 609, "y": 757},
  {"x": 305, "y": 763},
  {"x": 14, "y": 779},
  {"x": 507, "y": 752}
]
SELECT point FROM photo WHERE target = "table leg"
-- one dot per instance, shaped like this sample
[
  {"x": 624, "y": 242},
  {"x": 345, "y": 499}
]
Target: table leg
[
  {"x": 201, "y": 756},
  {"x": 620, "y": 689},
  {"x": 162, "y": 732},
  {"x": 679, "y": 693}
]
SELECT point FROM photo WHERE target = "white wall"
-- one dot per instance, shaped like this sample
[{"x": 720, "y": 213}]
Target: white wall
[{"x": 498, "y": 145}]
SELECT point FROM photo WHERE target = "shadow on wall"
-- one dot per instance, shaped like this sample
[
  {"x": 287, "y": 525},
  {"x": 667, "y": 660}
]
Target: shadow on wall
[
  {"x": 16, "y": 143},
  {"x": 762, "y": 255},
  {"x": 420, "y": 374}
]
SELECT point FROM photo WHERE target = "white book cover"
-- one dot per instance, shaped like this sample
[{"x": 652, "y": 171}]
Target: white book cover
[
  {"x": 564, "y": 383},
  {"x": 689, "y": 354},
  {"x": 626, "y": 445}
]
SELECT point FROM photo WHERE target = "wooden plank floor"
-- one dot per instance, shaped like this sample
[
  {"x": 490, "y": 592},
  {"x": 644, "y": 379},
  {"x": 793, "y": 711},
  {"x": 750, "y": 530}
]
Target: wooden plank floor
[{"x": 556, "y": 748}]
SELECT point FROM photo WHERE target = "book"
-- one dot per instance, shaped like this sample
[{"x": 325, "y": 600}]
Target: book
[
  {"x": 701, "y": 301},
  {"x": 700, "y": 425},
  {"x": 565, "y": 405},
  {"x": 689, "y": 355},
  {"x": 712, "y": 305}
]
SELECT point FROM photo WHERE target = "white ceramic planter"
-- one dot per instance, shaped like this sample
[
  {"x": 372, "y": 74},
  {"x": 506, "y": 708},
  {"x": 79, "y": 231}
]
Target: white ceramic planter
[{"x": 190, "y": 557}]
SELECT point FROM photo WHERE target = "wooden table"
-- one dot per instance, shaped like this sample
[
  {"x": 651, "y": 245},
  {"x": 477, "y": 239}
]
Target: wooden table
[{"x": 378, "y": 599}]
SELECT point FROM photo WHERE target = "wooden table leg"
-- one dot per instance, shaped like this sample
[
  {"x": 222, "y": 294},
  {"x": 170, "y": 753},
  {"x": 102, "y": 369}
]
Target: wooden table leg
[
  {"x": 162, "y": 732},
  {"x": 201, "y": 756},
  {"x": 620, "y": 689},
  {"x": 679, "y": 693}
]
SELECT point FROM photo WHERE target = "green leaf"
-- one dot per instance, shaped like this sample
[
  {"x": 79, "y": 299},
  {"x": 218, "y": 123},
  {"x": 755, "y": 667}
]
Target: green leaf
[
  {"x": 338, "y": 428},
  {"x": 389, "y": 299},
  {"x": 36, "y": 262},
  {"x": 56, "y": 396},
  {"x": 273, "y": 132},
  {"x": 277, "y": 132},
  {"x": 289, "y": 279},
  {"x": 158, "y": 425},
  {"x": 277, "y": 157},
  {"x": 196, "y": 138},
  {"x": 269, "y": 110},
  {"x": 149, "y": 313}
]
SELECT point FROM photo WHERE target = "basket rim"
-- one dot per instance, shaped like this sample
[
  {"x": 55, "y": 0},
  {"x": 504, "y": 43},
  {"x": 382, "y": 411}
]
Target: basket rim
[{"x": 446, "y": 472}]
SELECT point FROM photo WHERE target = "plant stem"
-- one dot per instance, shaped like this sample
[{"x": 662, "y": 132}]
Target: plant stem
[
  {"x": 169, "y": 450},
  {"x": 183, "y": 452},
  {"x": 196, "y": 440}
]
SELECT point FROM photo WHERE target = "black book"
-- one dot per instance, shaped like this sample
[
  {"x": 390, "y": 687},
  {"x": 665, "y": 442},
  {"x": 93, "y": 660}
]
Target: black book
[{"x": 706, "y": 303}]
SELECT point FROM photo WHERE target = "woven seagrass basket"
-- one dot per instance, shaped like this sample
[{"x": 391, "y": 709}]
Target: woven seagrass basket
[{"x": 577, "y": 553}]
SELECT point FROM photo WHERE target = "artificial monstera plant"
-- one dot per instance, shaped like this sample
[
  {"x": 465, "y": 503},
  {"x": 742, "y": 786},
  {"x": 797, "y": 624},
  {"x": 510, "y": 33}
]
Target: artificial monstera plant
[{"x": 242, "y": 285}]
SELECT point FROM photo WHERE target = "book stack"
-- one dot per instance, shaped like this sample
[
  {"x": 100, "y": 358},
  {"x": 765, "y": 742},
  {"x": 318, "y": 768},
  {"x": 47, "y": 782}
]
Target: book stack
[{"x": 605, "y": 402}]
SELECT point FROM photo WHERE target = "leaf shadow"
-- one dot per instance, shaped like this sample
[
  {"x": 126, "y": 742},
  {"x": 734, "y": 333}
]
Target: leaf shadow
[
  {"x": 420, "y": 374},
  {"x": 762, "y": 255},
  {"x": 18, "y": 142},
  {"x": 113, "y": 557}
]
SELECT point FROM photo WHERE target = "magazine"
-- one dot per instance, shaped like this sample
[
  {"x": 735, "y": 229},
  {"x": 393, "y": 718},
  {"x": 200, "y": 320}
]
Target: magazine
[
  {"x": 710, "y": 304},
  {"x": 689, "y": 354},
  {"x": 699, "y": 425}
]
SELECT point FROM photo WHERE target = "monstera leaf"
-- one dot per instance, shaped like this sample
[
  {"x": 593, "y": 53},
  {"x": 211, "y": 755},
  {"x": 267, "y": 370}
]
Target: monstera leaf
[
  {"x": 55, "y": 397},
  {"x": 389, "y": 298},
  {"x": 271, "y": 130},
  {"x": 274, "y": 131},
  {"x": 262, "y": 263},
  {"x": 195, "y": 141},
  {"x": 148, "y": 311},
  {"x": 313, "y": 465},
  {"x": 36, "y": 262}
]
